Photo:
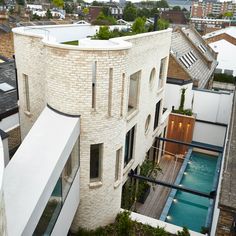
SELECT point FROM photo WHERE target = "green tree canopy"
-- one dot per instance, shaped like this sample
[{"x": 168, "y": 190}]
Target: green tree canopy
[
  {"x": 177, "y": 8},
  {"x": 20, "y": 2},
  {"x": 130, "y": 12},
  {"x": 162, "y": 24},
  {"x": 143, "y": 12},
  {"x": 58, "y": 3},
  {"x": 139, "y": 26},
  {"x": 103, "y": 33},
  {"x": 228, "y": 14}
]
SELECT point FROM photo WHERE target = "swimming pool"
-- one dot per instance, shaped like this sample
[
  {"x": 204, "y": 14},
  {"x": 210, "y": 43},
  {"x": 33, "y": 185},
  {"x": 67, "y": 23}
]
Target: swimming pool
[{"x": 191, "y": 210}]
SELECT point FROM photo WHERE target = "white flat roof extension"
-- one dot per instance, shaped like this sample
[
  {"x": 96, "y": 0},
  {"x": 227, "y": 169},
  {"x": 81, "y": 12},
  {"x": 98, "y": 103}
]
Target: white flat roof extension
[{"x": 31, "y": 175}]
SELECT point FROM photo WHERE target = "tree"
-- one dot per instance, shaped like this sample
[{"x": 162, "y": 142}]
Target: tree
[
  {"x": 48, "y": 14},
  {"x": 162, "y": 24},
  {"x": 86, "y": 11},
  {"x": 228, "y": 14},
  {"x": 103, "y": 33},
  {"x": 2, "y": 2},
  {"x": 20, "y": 2},
  {"x": 143, "y": 12},
  {"x": 177, "y": 8},
  {"x": 162, "y": 4},
  {"x": 139, "y": 26},
  {"x": 69, "y": 7},
  {"x": 58, "y": 3},
  {"x": 130, "y": 12}
]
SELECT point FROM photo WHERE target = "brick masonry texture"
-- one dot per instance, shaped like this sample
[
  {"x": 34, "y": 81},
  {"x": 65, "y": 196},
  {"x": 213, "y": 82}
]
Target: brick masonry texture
[
  {"x": 14, "y": 138},
  {"x": 6, "y": 45},
  {"x": 63, "y": 79}
]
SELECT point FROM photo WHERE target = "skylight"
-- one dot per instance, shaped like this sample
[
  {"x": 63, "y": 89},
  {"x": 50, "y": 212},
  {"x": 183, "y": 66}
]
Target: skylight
[
  {"x": 5, "y": 87},
  {"x": 202, "y": 48},
  {"x": 188, "y": 59}
]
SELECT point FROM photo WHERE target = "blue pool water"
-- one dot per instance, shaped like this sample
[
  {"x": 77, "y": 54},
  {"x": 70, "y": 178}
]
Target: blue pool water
[{"x": 191, "y": 210}]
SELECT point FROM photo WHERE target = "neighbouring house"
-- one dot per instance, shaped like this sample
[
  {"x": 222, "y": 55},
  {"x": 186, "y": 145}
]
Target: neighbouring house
[
  {"x": 9, "y": 117},
  {"x": 174, "y": 17},
  {"x": 208, "y": 25},
  {"x": 191, "y": 59},
  {"x": 203, "y": 9},
  {"x": 228, "y": 34},
  {"x": 223, "y": 42},
  {"x": 94, "y": 12},
  {"x": 6, "y": 42},
  {"x": 89, "y": 114}
]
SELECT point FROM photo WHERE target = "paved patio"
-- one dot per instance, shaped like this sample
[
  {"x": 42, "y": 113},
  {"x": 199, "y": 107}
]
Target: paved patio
[{"x": 156, "y": 199}]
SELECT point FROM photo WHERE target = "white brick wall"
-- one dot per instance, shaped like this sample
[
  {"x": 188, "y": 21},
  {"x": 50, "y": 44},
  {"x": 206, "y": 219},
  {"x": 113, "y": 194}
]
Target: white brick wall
[{"x": 63, "y": 79}]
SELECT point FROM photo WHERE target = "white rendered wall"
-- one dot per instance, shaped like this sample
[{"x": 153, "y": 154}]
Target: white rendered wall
[
  {"x": 208, "y": 105},
  {"x": 9, "y": 122},
  {"x": 3, "y": 225},
  {"x": 173, "y": 95},
  {"x": 209, "y": 133},
  {"x": 213, "y": 106}
]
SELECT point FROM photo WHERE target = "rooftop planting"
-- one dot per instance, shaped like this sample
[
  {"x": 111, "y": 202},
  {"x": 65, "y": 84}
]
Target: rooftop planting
[{"x": 124, "y": 226}]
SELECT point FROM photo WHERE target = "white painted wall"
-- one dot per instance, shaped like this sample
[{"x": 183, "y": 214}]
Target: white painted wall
[
  {"x": 68, "y": 210},
  {"x": 9, "y": 122},
  {"x": 158, "y": 223},
  {"x": 212, "y": 106},
  {"x": 173, "y": 95},
  {"x": 209, "y": 133},
  {"x": 3, "y": 225}
]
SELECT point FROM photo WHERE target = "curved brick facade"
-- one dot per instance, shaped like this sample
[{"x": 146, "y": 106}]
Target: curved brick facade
[{"x": 62, "y": 77}]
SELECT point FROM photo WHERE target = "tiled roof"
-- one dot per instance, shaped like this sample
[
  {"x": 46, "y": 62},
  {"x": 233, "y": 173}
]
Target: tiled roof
[
  {"x": 193, "y": 54},
  {"x": 8, "y": 99}
]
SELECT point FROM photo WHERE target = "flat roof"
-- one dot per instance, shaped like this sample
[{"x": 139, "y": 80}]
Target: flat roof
[{"x": 226, "y": 54}]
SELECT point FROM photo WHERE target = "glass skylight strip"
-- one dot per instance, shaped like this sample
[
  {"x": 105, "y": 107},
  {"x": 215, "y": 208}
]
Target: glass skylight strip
[
  {"x": 184, "y": 62},
  {"x": 187, "y": 60},
  {"x": 191, "y": 53},
  {"x": 190, "y": 58}
]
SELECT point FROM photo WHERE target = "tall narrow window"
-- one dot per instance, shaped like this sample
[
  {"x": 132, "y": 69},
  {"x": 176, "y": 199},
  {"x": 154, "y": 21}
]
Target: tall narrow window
[
  {"x": 133, "y": 91},
  {"x": 122, "y": 94},
  {"x": 157, "y": 112},
  {"x": 94, "y": 79},
  {"x": 110, "y": 91},
  {"x": 162, "y": 72},
  {"x": 26, "y": 90},
  {"x": 95, "y": 162},
  {"x": 118, "y": 161},
  {"x": 129, "y": 143}
]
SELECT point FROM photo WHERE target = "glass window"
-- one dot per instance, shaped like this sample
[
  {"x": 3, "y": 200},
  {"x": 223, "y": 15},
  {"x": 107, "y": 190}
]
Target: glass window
[
  {"x": 95, "y": 162},
  {"x": 129, "y": 143},
  {"x": 118, "y": 161},
  {"x": 26, "y": 92},
  {"x": 133, "y": 91},
  {"x": 157, "y": 113}
]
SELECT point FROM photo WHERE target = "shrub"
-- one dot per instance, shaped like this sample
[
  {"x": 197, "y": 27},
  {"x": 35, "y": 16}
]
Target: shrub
[
  {"x": 124, "y": 225},
  {"x": 184, "y": 232},
  {"x": 224, "y": 78}
]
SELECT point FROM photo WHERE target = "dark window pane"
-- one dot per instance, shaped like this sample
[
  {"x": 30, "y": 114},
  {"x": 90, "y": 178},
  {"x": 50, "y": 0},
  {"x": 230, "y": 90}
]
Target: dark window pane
[
  {"x": 94, "y": 160},
  {"x": 156, "y": 120}
]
